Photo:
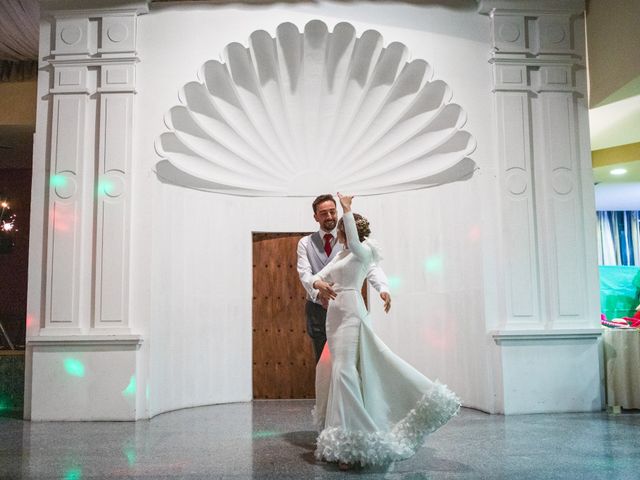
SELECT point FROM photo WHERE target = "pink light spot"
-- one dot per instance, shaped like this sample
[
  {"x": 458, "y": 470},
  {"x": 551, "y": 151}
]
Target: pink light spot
[
  {"x": 474, "y": 233},
  {"x": 325, "y": 356},
  {"x": 436, "y": 340}
]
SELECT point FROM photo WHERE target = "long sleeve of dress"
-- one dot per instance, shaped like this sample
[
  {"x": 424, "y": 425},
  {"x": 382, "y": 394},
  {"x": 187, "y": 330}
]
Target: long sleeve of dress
[
  {"x": 378, "y": 279},
  {"x": 359, "y": 249}
]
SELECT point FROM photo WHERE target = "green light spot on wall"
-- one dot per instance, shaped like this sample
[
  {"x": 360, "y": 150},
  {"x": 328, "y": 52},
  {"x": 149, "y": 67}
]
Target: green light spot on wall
[
  {"x": 104, "y": 187},
  {"x": 4, "y": 404},
  {"x": 131, "y": 388},
  {"x": 73, "y": 474},
  {"x": 58, "y": 181},
  {"x": 394, "y": 283},
  {"x": 433, "y": 264},
  {"x": 74, "y": 367}
]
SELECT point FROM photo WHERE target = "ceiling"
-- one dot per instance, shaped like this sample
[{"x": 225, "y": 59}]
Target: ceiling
[
  {"x": 614, "y": 90},
  {"x": 615, "y": 141}
]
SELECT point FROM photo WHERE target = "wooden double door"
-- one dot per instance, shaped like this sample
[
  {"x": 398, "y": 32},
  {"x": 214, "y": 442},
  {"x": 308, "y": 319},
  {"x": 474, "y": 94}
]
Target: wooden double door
[{"x": 283, "y": 358}]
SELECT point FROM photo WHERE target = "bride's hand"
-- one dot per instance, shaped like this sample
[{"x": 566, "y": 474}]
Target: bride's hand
[
  {"x": 345, "y": 201},
  {"x": 387, "y": 301}
]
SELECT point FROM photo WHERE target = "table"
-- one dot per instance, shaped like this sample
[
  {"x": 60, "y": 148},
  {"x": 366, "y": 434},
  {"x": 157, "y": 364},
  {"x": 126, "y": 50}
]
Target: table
[{"x": 622, "y": 367}]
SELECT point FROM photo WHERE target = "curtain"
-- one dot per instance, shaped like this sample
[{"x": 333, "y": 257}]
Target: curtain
[
  {"x": 619, "y": 238},
  {"x": 18, "y": 71}
]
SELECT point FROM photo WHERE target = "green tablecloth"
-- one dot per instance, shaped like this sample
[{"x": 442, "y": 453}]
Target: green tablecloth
[{"x": 619, "y": 291}]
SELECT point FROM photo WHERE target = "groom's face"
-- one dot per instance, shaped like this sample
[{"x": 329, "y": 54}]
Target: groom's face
[{"x": 326, "y": 215}]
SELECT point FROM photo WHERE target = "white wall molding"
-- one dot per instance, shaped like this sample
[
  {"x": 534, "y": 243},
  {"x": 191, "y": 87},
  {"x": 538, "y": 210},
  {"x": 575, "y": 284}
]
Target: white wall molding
[
  {"x": 91, "y": 8},
  {"x": 67, "y": 224},
  {"x": 92, "y": 61},
  {"x": 511, "y": 336},
  {"x": 85, "y": 340}
]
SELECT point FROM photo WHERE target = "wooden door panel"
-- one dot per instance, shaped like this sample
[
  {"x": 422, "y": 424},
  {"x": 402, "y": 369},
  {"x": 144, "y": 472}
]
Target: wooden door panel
[{"x": 283, "y": 358}]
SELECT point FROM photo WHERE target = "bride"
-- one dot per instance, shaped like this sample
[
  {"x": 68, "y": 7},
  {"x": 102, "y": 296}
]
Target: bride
[{"x": 371, "y": 407}]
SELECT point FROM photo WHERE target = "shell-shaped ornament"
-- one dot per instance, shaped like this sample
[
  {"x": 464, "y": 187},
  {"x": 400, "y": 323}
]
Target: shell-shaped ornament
[{"x": 307, "y": 113}]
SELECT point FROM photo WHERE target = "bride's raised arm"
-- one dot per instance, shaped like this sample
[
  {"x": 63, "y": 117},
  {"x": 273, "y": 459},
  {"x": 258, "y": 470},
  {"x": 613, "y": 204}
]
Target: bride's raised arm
[{"x": 359, "y": 249}]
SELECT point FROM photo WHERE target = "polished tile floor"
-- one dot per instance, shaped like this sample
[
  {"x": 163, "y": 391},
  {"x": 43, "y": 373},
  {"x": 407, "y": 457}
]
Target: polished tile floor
[{"x": 274, "y": 440}]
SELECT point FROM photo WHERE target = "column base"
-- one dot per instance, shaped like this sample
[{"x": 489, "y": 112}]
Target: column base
[
  {"x": 88, "y": 377},
  {"x": 550, "y": 371}
]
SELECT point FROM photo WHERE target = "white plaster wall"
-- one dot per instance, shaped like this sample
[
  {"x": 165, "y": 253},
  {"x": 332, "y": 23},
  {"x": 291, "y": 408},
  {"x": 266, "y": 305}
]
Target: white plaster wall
[{"x": 198, "y": 245}]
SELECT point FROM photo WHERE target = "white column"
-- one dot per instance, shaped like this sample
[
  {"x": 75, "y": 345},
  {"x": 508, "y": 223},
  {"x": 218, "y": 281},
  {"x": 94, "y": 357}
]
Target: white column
[
  {"x": 68, "y": 268},
  {"x": 116, "y": 94},
  {"x": 547, "y": 341},
  {"x": 85, "y": 356}
]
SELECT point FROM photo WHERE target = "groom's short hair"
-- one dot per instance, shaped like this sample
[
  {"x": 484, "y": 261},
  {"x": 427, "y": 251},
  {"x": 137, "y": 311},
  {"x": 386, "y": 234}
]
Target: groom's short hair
[{"x": 323, "y": 198}]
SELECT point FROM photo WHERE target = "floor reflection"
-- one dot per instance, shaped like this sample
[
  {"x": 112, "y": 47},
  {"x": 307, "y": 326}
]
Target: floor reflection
[{"x": 275, "y": 440}]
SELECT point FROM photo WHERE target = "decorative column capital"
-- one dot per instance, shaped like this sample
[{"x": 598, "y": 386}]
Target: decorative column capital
[
  {"x": 533, "y": 44},
  {"x": 91, "y": 8},
  {"x": 89, "y": 34},
  {"x": 489, "y": 7}
]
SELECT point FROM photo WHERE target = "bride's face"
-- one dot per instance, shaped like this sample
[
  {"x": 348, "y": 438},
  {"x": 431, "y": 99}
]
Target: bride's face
[{"x": 342, "y": 238}]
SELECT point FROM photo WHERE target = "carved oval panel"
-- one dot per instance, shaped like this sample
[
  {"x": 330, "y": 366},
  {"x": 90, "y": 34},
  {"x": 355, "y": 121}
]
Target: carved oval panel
[
  {"x": 315, "y": 111},
  {"x": 113, "y": 186},
  {"x": 517, "y": 181},
  {"x": 509, "y": 32},
  {"x": 117, "y": 32},
  {"x": 555, "y": 33},
  {"x": 562, "y": 181},
  {"x": 71, "y": 34},
  {"x": 65, "y": 185}
]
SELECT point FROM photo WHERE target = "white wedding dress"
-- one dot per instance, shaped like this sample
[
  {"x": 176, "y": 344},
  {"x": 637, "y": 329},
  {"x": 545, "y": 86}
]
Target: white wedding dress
[{"x": 371, "y": 406}]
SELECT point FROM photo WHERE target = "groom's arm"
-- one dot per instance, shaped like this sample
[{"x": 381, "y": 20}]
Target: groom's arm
[{"x": 304, "y": 268}]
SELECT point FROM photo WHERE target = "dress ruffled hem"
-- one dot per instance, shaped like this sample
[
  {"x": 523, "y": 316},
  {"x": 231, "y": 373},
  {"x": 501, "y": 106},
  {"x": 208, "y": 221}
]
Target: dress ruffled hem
[{"x": 433, "y": 410}]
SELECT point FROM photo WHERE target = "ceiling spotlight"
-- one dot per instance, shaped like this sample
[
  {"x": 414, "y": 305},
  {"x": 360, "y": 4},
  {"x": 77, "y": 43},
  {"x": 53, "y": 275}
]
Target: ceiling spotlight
[{"x": 618, "y": 171}]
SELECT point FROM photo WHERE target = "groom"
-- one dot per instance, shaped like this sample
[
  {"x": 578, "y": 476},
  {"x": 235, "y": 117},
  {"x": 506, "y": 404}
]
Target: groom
[{"x": 314, "y": 252}]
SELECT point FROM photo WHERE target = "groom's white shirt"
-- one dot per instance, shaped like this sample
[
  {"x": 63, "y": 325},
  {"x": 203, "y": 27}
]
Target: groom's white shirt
[{"x": 312, "y": 258}]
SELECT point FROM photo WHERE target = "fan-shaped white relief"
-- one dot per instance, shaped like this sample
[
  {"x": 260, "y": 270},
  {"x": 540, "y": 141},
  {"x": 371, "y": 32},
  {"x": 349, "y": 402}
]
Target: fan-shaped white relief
[{"x": 312, "y": 112}]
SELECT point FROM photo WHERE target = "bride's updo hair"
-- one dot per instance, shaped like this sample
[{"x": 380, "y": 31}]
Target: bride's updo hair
[{"x": 362, "y": 224}]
